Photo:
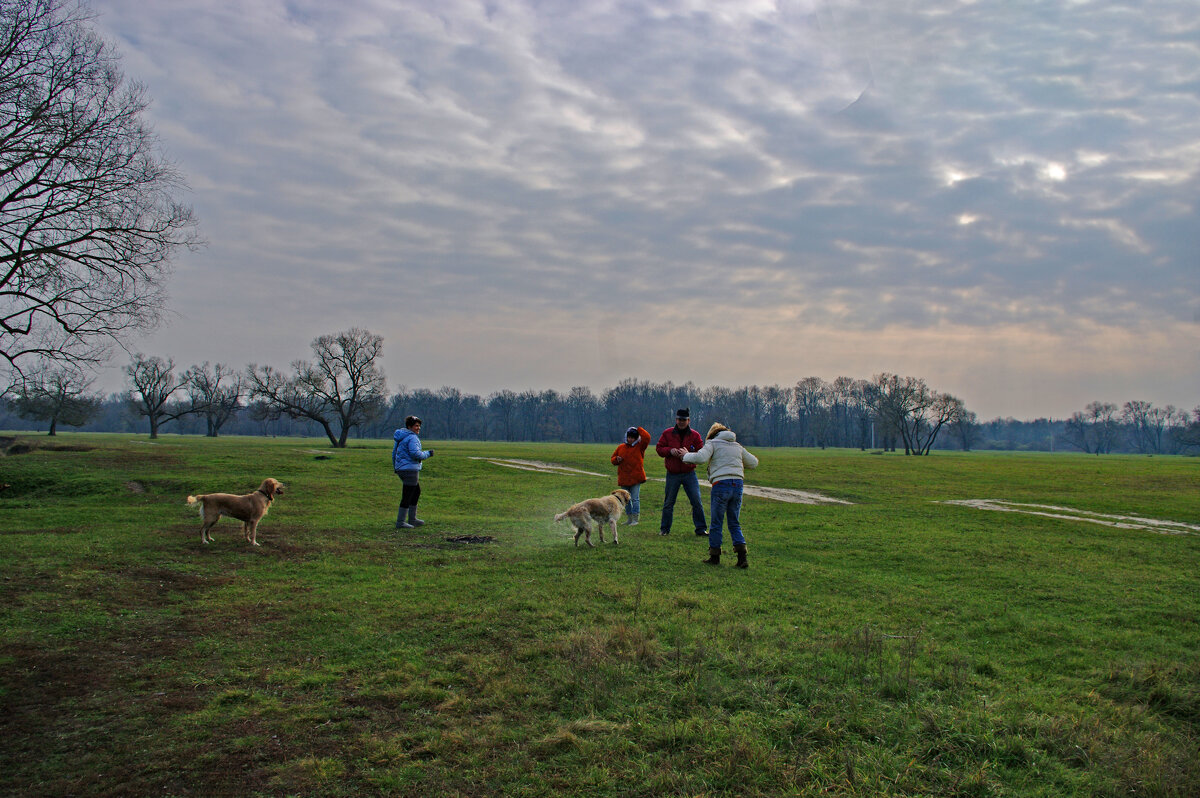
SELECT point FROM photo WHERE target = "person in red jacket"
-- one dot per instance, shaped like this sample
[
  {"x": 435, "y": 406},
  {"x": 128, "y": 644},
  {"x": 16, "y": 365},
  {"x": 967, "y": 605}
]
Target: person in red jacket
[
  {"x": 631, "y": 473},
  {"x": 672, "y": 445}
]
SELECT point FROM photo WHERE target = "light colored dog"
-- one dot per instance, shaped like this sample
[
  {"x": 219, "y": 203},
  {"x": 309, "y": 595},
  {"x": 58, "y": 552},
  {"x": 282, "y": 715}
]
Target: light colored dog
[
  {"x": 248, "y": 509},
  {"x": 605, "y": 510}
]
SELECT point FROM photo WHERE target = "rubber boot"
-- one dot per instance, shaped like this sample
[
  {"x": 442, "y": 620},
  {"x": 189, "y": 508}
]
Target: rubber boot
[
  {"x": 714, "y": 556},
  {"x": 413, "y": 521},
  {"x": 632, "y": 520},
  {"x": 740, "y": 548},
  {"x": 400, "y": 522}
]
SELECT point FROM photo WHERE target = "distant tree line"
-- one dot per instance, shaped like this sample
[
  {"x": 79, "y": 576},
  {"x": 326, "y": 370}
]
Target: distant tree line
[{"x": 341, "y": 393}]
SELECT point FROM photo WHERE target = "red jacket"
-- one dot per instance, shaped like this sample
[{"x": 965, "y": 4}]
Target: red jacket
[
  {"x": 631, "y": 471},
  {"x": 672, "y": 438}
]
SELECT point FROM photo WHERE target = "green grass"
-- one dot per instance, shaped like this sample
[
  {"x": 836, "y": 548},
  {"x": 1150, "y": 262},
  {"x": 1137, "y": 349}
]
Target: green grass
[{"x": 896, "y": 646}]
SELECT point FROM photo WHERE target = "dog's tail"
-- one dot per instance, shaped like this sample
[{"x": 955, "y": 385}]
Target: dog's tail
[{"x": 560, "y": 516}]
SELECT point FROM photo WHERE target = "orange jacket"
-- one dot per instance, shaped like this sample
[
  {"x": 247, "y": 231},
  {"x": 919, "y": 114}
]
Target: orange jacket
[{"x": 631, "y": 470}]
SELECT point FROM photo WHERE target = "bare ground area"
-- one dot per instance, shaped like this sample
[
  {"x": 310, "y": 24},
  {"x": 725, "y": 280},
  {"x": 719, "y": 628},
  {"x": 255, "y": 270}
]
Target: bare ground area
[
  {"x": 776, "y": 494},
  {"x": 1070, "y": 514}
]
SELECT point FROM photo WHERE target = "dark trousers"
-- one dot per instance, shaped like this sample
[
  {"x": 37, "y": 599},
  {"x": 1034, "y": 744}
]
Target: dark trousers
[
  {"x": 691, "y": 487},
  {"x": 411, "y": 492}
]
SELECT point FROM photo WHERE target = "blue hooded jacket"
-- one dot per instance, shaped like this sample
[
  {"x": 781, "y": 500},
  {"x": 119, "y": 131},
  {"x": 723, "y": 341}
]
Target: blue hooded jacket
[{"x": 407, "y": 453}]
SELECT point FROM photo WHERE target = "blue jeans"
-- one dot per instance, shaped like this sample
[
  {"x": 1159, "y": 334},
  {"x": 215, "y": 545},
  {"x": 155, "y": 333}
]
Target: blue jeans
[
  {"x": 634, "y": 505},
  {"x": 726, "y": 505},
  {"x": 691, "y": 487}
]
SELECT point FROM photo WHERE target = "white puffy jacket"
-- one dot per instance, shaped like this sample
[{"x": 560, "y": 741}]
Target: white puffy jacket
[{"x": 725, "y": 457}]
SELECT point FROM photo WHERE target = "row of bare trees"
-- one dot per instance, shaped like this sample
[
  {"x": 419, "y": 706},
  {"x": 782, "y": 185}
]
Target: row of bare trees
[
  {"x": 341, "y": 392},
  {"x": 342, "y": 389},
  {"x": 1138, "y": 425},
  {"x": 889, "y": 411}
]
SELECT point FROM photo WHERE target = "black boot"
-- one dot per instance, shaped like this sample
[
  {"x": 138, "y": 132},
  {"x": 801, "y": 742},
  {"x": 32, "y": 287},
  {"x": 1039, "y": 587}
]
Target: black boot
[
  {"x": 400, "y": 522},
  {"x": 740, "y": 548},
  {"x": 714, "y": 556}
]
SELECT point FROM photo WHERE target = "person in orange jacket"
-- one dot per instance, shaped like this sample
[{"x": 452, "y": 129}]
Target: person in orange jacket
[{"x": 629, "y": 458}]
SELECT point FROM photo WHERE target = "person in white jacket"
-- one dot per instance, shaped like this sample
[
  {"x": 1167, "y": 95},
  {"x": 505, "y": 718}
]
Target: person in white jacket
[{"x": 727, "y": 460}]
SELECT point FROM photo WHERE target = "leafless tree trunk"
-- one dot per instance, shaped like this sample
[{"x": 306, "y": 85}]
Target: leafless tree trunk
[
  {"x": 341, "y": 388},
  {"x": 88, "y": 220}
]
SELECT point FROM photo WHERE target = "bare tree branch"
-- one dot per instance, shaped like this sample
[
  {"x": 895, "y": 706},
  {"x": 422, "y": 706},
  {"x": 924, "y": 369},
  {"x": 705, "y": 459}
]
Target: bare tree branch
[{"x": 88, "y": 215}]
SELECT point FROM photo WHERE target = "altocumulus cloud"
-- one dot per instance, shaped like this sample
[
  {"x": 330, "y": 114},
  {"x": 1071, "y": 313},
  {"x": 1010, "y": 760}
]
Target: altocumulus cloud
[{"x": 999, "y": 197}]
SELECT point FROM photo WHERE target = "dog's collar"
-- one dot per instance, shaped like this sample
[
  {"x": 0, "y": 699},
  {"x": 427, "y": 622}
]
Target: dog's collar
[{"x": 270, "y": 498}]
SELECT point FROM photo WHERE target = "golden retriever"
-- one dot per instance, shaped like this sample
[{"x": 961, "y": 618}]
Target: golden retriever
[
  {"x": 605, "y": 510},
  {"x": 248, "y": 509}
]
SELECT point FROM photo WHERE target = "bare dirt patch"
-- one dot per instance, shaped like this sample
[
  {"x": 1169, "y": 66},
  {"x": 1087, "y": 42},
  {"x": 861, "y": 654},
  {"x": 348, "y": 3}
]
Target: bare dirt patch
[
  {"x": 775, "y": 494},
  {"x": 1071, "y": 514},
  {"x": 14, "y": 446},
  {"x": 539, "y": 466},
  {"x": 471, "y": 539}
]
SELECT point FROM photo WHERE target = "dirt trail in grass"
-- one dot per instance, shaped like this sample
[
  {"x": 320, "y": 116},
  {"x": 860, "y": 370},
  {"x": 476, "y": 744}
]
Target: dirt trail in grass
[
  {"x": 777, "y": 494},
  {"x": 1071, "y": 514}
]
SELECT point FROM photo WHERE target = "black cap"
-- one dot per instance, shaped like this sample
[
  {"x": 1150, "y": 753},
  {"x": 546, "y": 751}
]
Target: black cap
[
  {"x": 682, "y": 413},
  {"x": 631, "y": 432}
]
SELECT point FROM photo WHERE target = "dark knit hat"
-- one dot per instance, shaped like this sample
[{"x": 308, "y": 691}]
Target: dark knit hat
[
  {"x": 682, "y": 413},
  {"x": 631, "y": 432}
]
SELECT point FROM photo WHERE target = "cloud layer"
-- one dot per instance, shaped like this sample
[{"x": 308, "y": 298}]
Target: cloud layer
[{"x": 998, "y": 197}]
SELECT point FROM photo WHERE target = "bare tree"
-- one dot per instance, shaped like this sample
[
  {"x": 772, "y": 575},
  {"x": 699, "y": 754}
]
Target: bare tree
[
  {"x": 535, "y": 409},
  {"x": 59, "y": 395},
  {"x": 895, "y": 398},
  {"x": 88, "y": 219},
  {"x": 915, "y": 411},
  {"x": 582, "y": 408},
  {"x": 152, "y": 383},
  {"x": 1093, "y": 431},
  {"x": 944, "y": 409},
  {"x": 775, "y": 402},
  {"x": 966, "y": 429},
  {"x": 1185, "y": 433},
  {"x": 502, "y": 407},
  {"x": 341, "y": 389},
  {"x": 1148, "y": 426},
  {"x": 811, "y": 396},
  {"x": 215, "y": 395}
]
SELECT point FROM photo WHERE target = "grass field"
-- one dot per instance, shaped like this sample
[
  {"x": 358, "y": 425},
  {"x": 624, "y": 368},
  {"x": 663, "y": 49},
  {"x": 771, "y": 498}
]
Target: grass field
[{"x": 894, "y": 646}]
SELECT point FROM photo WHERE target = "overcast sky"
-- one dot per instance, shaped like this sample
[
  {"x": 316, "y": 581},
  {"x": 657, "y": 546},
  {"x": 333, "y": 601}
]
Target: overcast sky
[{"x": 1000, "y": 197}]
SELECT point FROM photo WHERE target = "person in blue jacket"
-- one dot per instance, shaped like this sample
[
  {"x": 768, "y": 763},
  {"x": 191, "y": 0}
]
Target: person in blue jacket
[{"x": 407, "y": 457}]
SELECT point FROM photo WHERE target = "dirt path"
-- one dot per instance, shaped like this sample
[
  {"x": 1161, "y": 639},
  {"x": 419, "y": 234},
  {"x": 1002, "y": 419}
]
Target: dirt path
[
  {"x": 1070, "y": 514},
  {"x": 776, "y": 494}
]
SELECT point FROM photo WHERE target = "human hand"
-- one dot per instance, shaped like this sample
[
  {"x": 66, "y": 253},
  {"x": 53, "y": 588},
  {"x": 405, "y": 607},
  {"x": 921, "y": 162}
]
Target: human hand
[
  {"x": 618, "y": 459},
  {"x": 431, "y": 452}
]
